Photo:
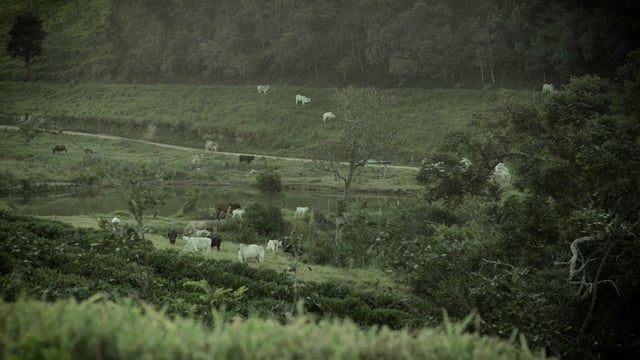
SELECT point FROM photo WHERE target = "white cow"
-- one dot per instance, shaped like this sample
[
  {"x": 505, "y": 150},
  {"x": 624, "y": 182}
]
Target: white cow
[
  {"x": 115, "y": 223},
  {"x": 194, "y": 244},
  {"x": 237, "y": 213},
  {"x": 301, "y": 211},
  {"x": 246, "y": 252},
  {"x": 302, "y": 99},
  {"x": 274, "y": 245},
  {"x": 501, "y": 174},
  {"x": 263, "y": 89},
  {"x": 196, "y": 159},
  {"x": 211, "y": 146},
  {"x": 328, "y": 115},
  {"x": 547, "y": 88}
]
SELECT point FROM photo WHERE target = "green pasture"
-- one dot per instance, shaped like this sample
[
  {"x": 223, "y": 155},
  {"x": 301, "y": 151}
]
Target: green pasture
[
  {"x": 242, "y": 120},
  {"x": 365, "y": 279},
  {"x": 36, "y": 163}
]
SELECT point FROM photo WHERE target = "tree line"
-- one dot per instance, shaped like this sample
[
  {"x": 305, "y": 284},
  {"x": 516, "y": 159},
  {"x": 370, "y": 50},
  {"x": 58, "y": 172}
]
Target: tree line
[{"x": 334, "y": 42}]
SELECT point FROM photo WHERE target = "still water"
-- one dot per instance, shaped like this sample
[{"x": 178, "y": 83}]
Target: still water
[{"x": 103, "y": 201}]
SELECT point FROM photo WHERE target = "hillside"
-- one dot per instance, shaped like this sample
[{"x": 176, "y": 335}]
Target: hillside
[{"x": 238, "y": 117}]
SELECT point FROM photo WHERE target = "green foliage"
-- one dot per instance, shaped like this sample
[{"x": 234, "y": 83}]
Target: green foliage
[
  {"x": 583, "y": 98},
  {"x": 50, "y": 261},
  {"x": 225, "y": 299},
  {"x": 415, "y": 44},
  {"x": 265, "y": 220},
  {"x": 575, "y": 163},
  {"x": 269, "y": 183},
  {"x": 191, "y": 200},
  {"x": 26, "y": 38},
  {"x": 319, "y": 247},
  {"x": 99, "y": 328},
  {"x": 360, "y": 234}
]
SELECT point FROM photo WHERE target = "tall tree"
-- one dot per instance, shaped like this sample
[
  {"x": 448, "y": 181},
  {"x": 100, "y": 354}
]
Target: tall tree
[
  {"x": 26, "y": 38},
  {"x": 367, "y": 134}
]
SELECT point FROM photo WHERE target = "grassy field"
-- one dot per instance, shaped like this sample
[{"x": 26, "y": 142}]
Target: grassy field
[
  {"x": 360, "y": 278},
  {"x": 36, "y": 163},
  {"x": 242, "y": 120}
]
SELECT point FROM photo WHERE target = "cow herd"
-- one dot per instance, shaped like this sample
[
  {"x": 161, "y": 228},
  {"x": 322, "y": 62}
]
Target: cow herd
[
  {"x": 300, "y": 100},
  {"x": 202, "y": 236}
]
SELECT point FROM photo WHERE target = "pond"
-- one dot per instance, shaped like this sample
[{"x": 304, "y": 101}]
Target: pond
[{"x": 89, "y": 201}]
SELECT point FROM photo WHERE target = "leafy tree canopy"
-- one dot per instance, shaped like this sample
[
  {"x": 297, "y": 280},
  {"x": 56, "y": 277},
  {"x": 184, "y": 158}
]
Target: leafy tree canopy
[{"x": 26, "y": 38}]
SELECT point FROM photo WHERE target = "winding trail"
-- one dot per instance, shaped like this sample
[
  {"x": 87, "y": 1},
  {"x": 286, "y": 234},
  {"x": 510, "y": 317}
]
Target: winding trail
[{"x": 184, "y": 148}]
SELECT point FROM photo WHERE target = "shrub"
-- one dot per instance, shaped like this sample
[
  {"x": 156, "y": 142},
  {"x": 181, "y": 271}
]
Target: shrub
[
  {"x": 269, "y": 182},
  {"x": 98, "y": 329},
  {"x": 265, "y": 220}
]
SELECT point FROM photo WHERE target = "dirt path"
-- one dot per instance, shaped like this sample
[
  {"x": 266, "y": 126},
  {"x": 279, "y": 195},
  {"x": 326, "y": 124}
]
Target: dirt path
[{"x": 184, "y": 148}]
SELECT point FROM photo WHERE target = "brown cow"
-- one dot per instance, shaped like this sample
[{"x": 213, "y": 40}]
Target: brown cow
[
  {"x": 246, "y": 158},
  {"x": 225, "y": 208},
  {"x": 59, "y": 149}
]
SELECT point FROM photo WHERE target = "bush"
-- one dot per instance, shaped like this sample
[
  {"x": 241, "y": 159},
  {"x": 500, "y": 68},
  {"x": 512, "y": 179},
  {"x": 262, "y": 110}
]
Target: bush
[
  {"x": 269, "y": 182},
  {"x": 265, "y": 220},
  {"x": 98, "y": 329}
]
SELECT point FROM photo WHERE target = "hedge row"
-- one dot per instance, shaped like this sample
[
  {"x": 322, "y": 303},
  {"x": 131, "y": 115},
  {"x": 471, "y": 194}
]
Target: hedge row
[{"x": 97, "y": 329}]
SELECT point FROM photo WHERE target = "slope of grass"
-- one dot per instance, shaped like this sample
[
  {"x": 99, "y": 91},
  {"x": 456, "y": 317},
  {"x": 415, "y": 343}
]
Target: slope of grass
[{"x": 243, "y": 120}]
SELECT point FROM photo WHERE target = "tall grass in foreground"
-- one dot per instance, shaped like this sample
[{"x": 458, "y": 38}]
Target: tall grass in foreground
[
  {"x": 94, "y": 329},
  {"x": 242, "y": 120}
]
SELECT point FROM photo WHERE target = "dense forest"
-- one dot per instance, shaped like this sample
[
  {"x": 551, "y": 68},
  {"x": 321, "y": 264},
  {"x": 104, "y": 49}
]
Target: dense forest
[{"x": 453, "y": 43}]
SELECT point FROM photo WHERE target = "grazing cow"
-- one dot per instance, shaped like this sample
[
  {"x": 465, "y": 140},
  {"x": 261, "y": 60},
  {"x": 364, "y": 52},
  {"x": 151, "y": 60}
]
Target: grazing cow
[
  {"x": 215, "y": 241},
  {"x": 194, "y": 244},
  {"x": 274, "y": 245},
  {"x": 115, "y": 223},
  {"x": 192, "y": 226},
  {"x": 246, "y": 252},
  {"x": 225, "y": 208},
  {"x": 59, "y": 149},
  {"x": 237, "y": 213},
  {"x": 211, "y": 146},
  {"x": 328, "y": 115},
  {"x": 196, "y": 159},
  {"x": 263, "y": 89},
  {"x": 172, "y": 235},
  {"x": 301, "y": 211},
  {"x": 547, "y": 88},
  {"x": 246, "y": 158},
  {"x": 302, "y": 99}
]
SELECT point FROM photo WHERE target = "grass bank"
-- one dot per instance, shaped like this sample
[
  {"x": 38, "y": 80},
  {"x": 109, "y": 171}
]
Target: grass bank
[{"x": 239, "y": 118}]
